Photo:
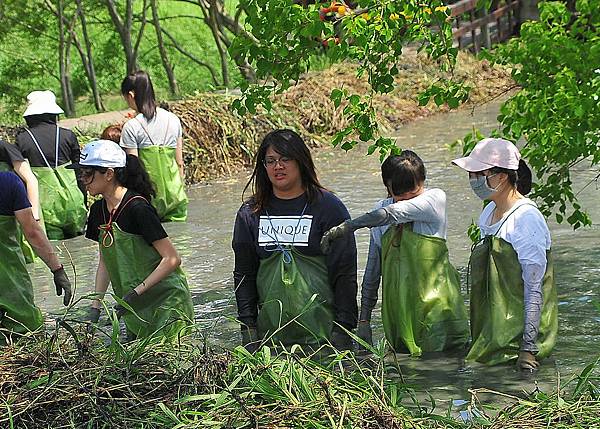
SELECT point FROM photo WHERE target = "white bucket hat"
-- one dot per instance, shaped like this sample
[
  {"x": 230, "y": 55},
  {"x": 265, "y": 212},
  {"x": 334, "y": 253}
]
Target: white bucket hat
[
  {"x": 490, "y": 153},
  {"x": 101, "y": 153},
  {"x": 39, "y": 102}
]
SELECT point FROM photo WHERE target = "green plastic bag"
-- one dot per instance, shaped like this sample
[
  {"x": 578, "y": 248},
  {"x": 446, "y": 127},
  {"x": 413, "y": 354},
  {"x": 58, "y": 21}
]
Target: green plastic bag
[
  {"x": 295, "y": 299},
  {"x": 497, "y": 304},
  {"x": 422, "y": 307},
  {"x": 170, "y": 201},
  {"x": 16, "y": 290},
  {"x": 166, "y": 308},
  {"x": 62, "y": 204}
]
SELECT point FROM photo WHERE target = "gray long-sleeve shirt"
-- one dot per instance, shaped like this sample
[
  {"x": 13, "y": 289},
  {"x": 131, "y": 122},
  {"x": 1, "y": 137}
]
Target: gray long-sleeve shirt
[{"x": 427, "y": 212}]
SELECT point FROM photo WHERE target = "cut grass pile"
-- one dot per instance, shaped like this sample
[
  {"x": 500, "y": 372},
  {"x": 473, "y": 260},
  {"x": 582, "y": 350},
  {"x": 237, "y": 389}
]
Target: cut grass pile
[{"x": 69, "y": 380}]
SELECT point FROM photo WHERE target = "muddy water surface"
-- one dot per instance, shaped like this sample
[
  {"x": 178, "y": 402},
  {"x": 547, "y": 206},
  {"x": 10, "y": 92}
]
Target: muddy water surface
[{"x": 205, "y": 245}]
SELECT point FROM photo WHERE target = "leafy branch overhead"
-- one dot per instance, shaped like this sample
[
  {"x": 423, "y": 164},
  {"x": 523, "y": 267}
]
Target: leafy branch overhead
[
  {"x": 285, "y": 36},
  {"x": 556, "y": 62}
]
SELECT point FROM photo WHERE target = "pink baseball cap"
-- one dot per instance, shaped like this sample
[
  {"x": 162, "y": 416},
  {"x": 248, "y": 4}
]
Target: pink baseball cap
[{"x": 490, "y": 153}]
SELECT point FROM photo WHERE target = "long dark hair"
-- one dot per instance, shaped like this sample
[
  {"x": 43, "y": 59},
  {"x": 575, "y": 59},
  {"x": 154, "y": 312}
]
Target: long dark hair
[
  {"x": 289, "y": 144},
  {"x": 139, "y": 82},
  {"x": 402, "y": 173},
  {"x": 521, "y": 178},
  {"x": 135, "y": 177}
]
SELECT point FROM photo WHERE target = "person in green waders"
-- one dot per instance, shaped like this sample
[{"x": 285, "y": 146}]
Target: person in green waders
[
  {"x": 287, "y": 291},
  {"x": 422, "y": 307},
  {"x": 155, "y": 135},
  {"x": 136, "y": 255},
  {"x": 12, "y": 160},
  {"x": 18, "y": 312},
  {"x": 514, "y": 311},
  {"x": 49, "y": 149}
]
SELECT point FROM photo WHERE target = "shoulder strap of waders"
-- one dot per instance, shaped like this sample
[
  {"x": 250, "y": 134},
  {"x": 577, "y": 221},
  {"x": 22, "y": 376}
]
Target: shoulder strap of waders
[
  {"x": 37, "y": 145},
  {"x": 148, "y": 133},
  {"x": 510, "y": 214},
  {"x": 396, "y": 239},
  {"x": 113, "y": 216}
]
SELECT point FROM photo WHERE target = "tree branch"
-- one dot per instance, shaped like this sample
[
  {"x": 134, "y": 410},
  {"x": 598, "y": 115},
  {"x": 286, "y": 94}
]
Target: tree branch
[{"x": 178, "y": 47}]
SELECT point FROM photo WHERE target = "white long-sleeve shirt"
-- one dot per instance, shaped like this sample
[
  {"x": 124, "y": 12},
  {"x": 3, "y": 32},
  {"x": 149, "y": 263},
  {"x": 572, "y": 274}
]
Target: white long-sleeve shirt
[
  {"x": 427, "y": 212},
  {"x": 525, "y": 228}
]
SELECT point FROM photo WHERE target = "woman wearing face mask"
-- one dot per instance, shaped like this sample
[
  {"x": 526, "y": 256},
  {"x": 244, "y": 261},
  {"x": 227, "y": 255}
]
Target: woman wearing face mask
[
  {"x": 422, "y": 308},
  {"x": 514, "y": 313},
  {"x": 287, "y": 291},
  {"x": 135, "y": 254}
]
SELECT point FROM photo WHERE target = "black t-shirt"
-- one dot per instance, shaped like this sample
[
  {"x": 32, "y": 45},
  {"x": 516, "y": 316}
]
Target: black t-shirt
[
  {"x": 13, "y": 196},
  {"x": 135, "y": 217},
  {"x": 45, "y": 134},
  {"x": 9, "y": 153},
  {"x": 301, "y": 224}
]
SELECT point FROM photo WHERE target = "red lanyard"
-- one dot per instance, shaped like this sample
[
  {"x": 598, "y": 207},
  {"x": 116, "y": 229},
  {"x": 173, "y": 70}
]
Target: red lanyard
[{"x": 114, "y": 214}]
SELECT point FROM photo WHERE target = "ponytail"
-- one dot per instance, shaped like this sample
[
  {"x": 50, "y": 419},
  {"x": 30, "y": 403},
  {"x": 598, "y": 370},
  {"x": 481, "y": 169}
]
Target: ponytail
[
  {"x": 143, "y": 92},
  {"x": 135, "y": 177},
  {"x": 521, "y": 178},
  {"x": 524, "y": 178}
]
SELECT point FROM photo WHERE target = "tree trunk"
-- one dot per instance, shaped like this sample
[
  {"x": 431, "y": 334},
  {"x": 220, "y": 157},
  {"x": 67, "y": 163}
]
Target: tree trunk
[
  {"x": 161, "y": 48},
  {"x": 213, "y": 24},
  {"x": 89, "y": 62},
  {"x": 231, "y": 24},
  {"x": 124, "y": 27},
  {"x": 68, "y": 82},
  {"x": 63, "y": 72}
]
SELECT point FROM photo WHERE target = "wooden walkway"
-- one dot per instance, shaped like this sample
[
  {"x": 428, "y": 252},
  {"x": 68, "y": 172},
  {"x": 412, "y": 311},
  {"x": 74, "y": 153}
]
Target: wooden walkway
[{"x": 475, "y": 29}]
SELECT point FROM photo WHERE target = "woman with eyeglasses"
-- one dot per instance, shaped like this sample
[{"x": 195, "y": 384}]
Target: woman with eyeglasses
[
  {"x": 49, "y": 149},
  {"x": 287, "y": 291},
  {"x": 514, "y": 312},
  {"x": 155, "y": 136},
  {"x": 136, "y": 255},
  {"x": 421, "y": 305}
]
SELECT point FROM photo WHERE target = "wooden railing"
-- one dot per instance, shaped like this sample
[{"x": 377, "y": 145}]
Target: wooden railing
[{"x": 479, "y": 28}]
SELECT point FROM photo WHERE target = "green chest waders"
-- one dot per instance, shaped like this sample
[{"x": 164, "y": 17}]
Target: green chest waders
[
  {"x": 166, "y": 308},
  {"x": 28, "y": 252},
  {"x": 61, "y": 202},
  {"x": 287, "y": 313},
  {"x": 170, "y": 201},
  {"x": 422, "y": 307},
  {"x": 497, "y": 304},
  {"x": 20, "y": 314}
]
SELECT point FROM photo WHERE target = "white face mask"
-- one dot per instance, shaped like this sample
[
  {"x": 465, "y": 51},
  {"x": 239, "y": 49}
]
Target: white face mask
[{"x": 480, "y": 186}]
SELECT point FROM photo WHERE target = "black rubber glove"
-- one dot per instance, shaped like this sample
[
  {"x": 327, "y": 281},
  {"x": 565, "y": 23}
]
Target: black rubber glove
[
  {"x": 527, "y": 361},
  {"x": 129, "y": 298},
  {"x": 249, "y": 338},
  {"x": 333, "y": 234},
  {"x": 373, "y": 218},
  {"x": 340, "y": 339},
  {"x": 365, "y": 332},
  {"x": 93, "y": 315},
  {"x": 62, "y": 283}
]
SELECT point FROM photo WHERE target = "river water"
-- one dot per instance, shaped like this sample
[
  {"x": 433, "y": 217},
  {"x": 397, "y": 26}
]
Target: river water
[{"x": 205, "y": 245}]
